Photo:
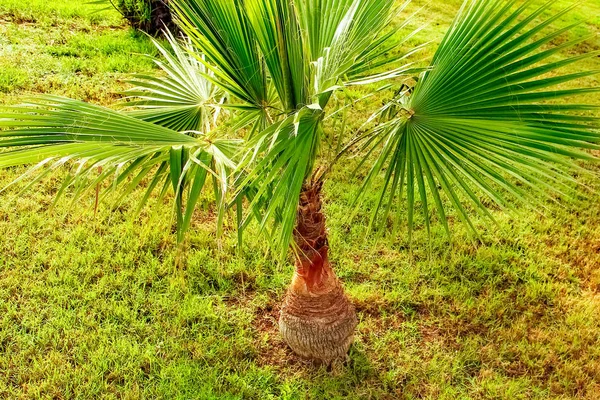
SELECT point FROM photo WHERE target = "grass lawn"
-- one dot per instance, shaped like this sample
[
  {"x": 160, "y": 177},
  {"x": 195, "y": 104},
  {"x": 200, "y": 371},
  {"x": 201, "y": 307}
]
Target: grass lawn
[{"x": 93, "y": 306}]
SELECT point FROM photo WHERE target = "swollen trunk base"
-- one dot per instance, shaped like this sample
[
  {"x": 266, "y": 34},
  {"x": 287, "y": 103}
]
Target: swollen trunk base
[{"x": 318, "y": 326}]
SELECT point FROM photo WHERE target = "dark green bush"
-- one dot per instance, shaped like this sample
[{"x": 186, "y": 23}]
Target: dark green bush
[{"x": 150, "y": 16}]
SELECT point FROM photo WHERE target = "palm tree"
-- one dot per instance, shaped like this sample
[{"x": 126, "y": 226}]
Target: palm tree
[{"x": 243, "y": 104}]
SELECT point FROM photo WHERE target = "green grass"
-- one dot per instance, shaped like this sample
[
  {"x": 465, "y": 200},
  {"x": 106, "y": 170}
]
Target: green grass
[
  {"x": 67, "y": 49},
  {"x": 92, "y": 306}
]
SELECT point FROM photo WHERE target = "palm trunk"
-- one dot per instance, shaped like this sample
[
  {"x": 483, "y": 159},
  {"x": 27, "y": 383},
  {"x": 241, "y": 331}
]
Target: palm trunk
[{"x": 317, "y": 320}]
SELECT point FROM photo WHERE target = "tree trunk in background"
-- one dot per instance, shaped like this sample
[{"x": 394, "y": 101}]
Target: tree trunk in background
[
  {"x": 159, "y": 17},
  {"x": 317, "y": 320}
]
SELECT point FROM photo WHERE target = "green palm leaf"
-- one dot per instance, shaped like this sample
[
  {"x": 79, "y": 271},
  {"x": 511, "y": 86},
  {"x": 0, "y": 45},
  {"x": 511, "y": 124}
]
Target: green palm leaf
[
  {"x": 183, "y": 100},
  {"x": 53, "y": 131},
  {"x": 479, "y": 123},
  {"x": 279, "y": 36},
  {"x": 222, "y": 31},
  {"x": 341, "y": 36}
]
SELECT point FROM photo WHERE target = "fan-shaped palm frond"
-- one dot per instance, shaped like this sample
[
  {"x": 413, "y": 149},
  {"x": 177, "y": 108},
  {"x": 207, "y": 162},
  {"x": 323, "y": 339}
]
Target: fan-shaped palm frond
[
  {"x": 52, "y": 131},
  {"x": 183, "y": 99},
  {"x": 478, "y": 123}
]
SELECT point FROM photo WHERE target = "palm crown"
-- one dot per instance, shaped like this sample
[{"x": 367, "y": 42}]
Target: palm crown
[{"x": 245, "y": 95}]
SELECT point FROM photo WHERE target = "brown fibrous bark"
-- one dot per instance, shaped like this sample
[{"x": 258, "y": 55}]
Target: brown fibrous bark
[{"x": 317, "y": 319}]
